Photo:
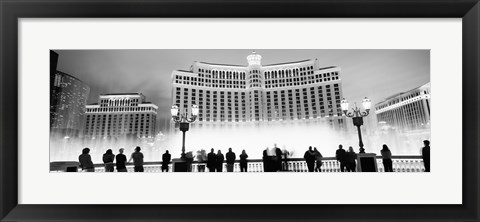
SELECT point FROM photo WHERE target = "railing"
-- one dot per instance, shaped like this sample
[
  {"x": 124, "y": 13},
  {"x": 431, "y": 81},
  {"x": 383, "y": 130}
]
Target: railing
[{"x": 330, "y": 164}]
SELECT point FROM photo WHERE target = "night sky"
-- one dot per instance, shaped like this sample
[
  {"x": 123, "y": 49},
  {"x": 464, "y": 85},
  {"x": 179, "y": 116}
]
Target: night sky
[{"x": 376, "y": 74}]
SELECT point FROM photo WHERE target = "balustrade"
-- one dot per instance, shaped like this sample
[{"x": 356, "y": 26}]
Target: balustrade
[{"x": 330, "y": 164}]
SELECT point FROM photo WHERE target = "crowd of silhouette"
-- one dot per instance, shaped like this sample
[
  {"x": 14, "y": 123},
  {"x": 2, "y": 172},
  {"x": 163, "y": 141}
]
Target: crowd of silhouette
[{"x": 272, "y": 160}]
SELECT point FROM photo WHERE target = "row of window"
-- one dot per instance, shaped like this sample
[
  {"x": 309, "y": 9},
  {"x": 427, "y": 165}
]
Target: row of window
[
  {"x": 255, "y": 81},
  {"x": 409, "y": 116},
  {"x": 121, "y": 109},
  {"x": 119, "y": 102}
]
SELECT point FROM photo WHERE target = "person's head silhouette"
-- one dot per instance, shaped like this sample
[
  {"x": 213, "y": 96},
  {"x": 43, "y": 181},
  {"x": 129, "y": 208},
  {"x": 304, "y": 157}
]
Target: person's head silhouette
[
  {"x": 230, "y": 149},
  {"x": 166, "y": 152},
  {"x": 109, "y": 151},
  {"x": 137, "y": 149},
  {"x": 85, "y": 150},
  {"x": 340, "y": 146},
  {"x": 385, "y": 147},
  {"x": 121, "y": 150},
  {"x": 310, "y": 148},
  {"x": 426, "y": 143}
]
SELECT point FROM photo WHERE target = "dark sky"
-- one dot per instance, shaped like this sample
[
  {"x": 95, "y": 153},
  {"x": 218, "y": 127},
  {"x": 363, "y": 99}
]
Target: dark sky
[{"x": 376, "y": 74}]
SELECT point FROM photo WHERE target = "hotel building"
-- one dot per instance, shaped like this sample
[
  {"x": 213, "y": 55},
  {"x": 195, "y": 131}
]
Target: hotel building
[
  {"x": 122, "y": 115},
  {"x": 406, "y": 111},
  {"x": 68, "y": 97},
  {"x": 252, "y": 94}
]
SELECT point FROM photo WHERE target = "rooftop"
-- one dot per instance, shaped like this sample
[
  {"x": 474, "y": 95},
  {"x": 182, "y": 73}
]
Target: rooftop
[
  {"x": 328, "y": 67},
  {"x": 401, "y": 93},
  {"x": 66, "y": 74},
  {"x": 286, "y": 63},
  {"x": 120, "y": 94},
  {"x": 218, "y": 64}
]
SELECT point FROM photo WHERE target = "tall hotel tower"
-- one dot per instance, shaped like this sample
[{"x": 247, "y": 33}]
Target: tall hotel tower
[
  {"x": 68, "y": 97},
  {"x": 233, "y": 95},
  {"x": 121, "y": 115}
]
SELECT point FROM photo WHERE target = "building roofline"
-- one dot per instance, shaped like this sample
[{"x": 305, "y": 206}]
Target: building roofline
[
  {"x": 219, "y": 64},
  {"x": 401, "y": 93},
  {"x": 328, "y": 67},
  {"x": 63, "y": 73},
  {"x": 287, "y": 63},
  {"x": 120, "y": 94},
  {"x": 267, "y": 65}
]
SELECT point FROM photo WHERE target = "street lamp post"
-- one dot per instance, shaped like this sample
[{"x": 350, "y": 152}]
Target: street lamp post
[
  {"x": 357, "y": 116},
  {"x": 184, "y": 122}
]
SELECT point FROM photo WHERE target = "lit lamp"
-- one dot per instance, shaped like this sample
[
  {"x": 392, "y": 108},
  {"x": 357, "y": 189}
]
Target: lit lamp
[
  {"x": 184, "y": 122},
  {"x": 357, "y": 116}
]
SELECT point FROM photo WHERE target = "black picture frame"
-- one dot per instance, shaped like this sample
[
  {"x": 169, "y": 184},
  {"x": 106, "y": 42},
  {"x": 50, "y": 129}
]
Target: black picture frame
[{"x": 12, "y": 10}]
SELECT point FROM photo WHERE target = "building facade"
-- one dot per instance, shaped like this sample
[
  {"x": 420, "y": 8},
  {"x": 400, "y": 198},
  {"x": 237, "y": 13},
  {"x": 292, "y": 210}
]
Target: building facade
[
  {"x": 122, "y": 115},
  {"x": 406, "y": 111},
  {"x": 68, "y": 97},
  {"x": 237, "y": 95}
]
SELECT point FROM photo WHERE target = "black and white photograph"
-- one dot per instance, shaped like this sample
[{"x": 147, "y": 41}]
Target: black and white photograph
[{"x": 240, "y": 110}]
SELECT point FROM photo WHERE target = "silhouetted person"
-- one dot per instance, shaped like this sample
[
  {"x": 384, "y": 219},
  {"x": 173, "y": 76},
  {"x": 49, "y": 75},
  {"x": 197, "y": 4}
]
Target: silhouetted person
[
  {"x": 108, "y": 159},
  {"x": 340, "y": 155},
  {"x": 386, "y": 158},
  {"x": 426, "y": 155},
  {"x": 211, "y": 161},
  {"x": 310, "y": 159},
  {"x": 230, "y": 160},
  {"x": 278, "y": 158},
  {"x": 166, "y": 157},
  {"x": 86, "y": 161},
  {"x": 219, "y": 161},
  {"x": 318, "y": 159},
  {"x": 267, "y": 161},
  {"x": 137, "y": 157},
  {"x": 243, "y": 161},
  {"x": 350, "y": 157},
  {"x": 121, "y": 161}
]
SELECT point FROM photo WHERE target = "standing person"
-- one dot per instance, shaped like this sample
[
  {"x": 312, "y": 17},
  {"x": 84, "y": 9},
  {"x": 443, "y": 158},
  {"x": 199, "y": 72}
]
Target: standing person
[
  {"x": 137, "y": 157},
  {"x": 278, "y": 158},
  {"x": 108, "y": 159},
  {"x": 386, "y": 158},
  {"x": 211, "y": 161},
  {"x": 340, "y": 155},
  {"x": 166, "y": 157},
  {"x": 230, "y": 160},
  {"x": 310, "y": 159},
  {"x": 86, "y": 161},
  {"x": 266, "y": 161},
  {"x": 243, "y": 161},
  {"x": 318, "y": 159},
  {"x": 426, "y": 155},
  {"x": 121, "y": 161},
  {"x": 350, "y": 158},
  {"x": 219, "y": 161}
]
